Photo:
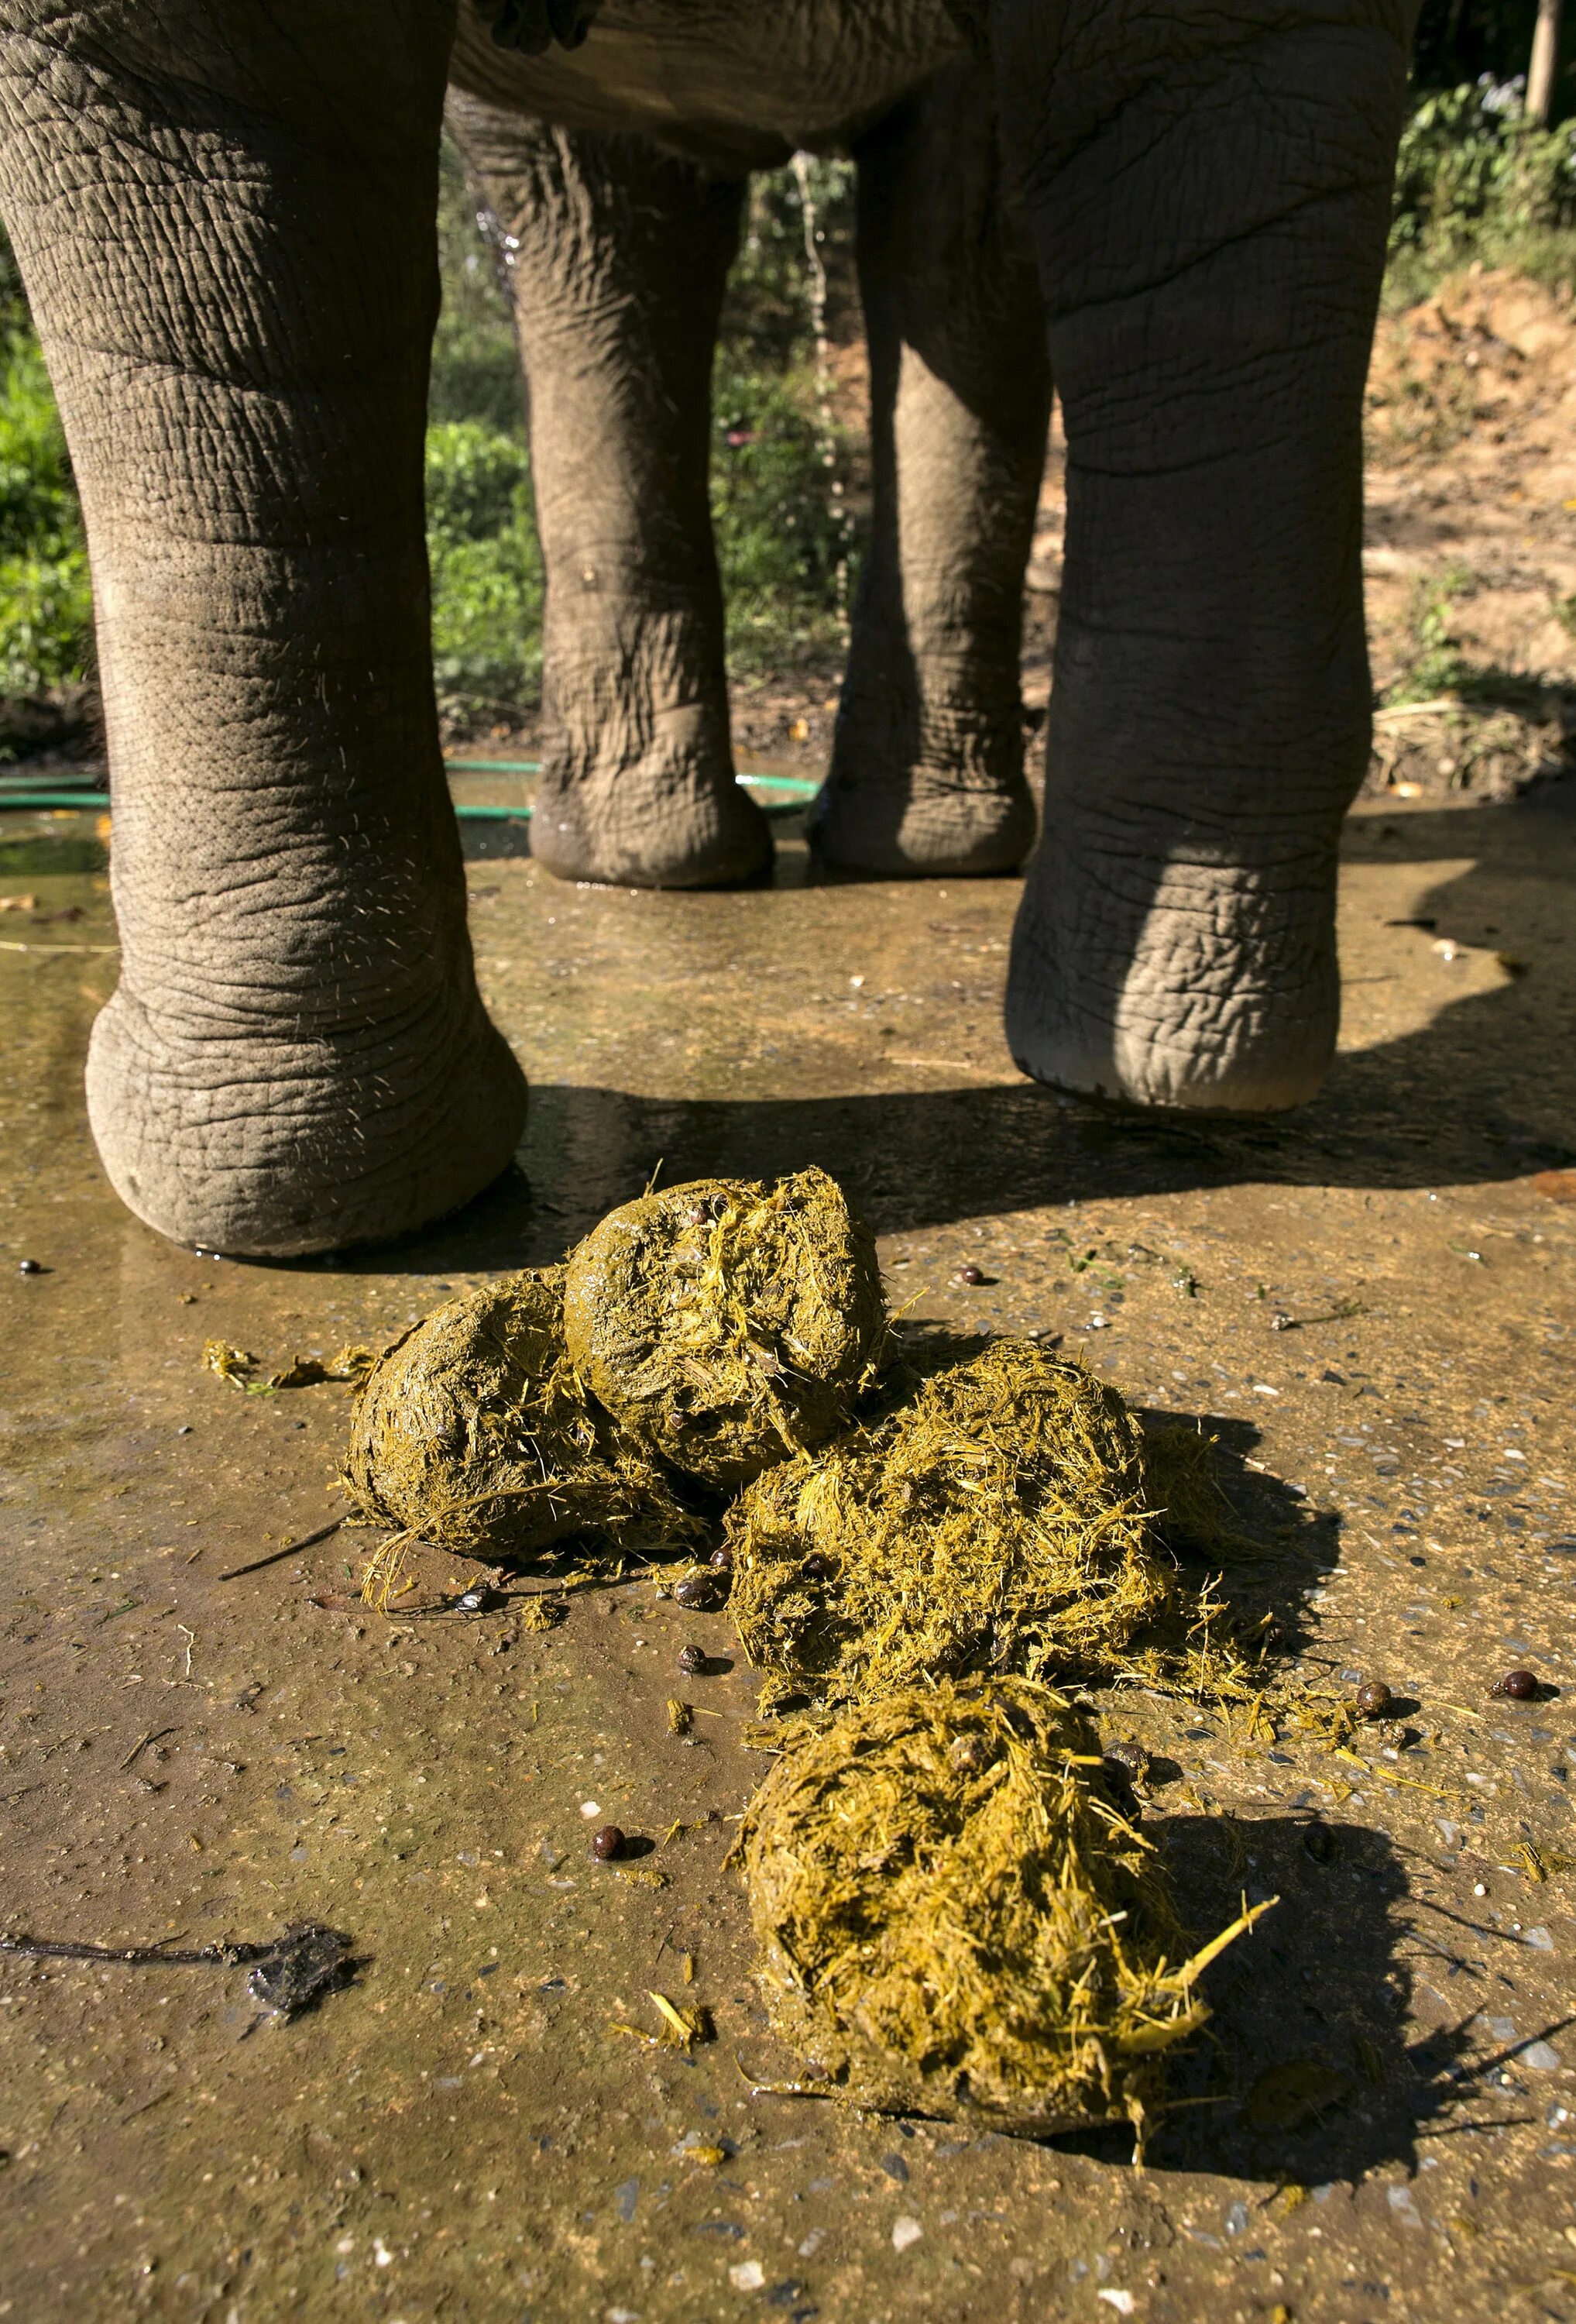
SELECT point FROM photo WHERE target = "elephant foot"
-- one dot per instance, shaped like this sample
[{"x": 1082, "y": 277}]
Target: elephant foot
[
  {"x": 1197, "y": 986},
  {"x": 923, "y": 827},
  {"x": 651, "y": 828},
  {"x": 264, "y": 1145}
]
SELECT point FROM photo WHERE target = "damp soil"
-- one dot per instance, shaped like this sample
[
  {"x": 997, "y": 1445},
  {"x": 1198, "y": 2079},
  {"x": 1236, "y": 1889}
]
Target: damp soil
[{"x": 1371, "y": 1306}]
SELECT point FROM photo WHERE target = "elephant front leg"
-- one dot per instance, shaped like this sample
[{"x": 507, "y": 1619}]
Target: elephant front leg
[
  {"x": 1211, "y": 195},
  {"x": 225, "y": 223},
  {"x": 617, "y": 256},
  {"x": 927, "y": 770}
]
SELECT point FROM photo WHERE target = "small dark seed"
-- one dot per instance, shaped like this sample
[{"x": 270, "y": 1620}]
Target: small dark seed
[
  {"x": 816, "y": 1568},
  {"x": 28, "y": 1267},
  {"x": 607, "y": 1843},
  {"x": 1520, "y": 1686},
  {"x": 1373, "y": 1699},
  {"x": 722, "y": 1559},
  {"x": 692, "y": 1660},
  {"x": 970, "y": 1753},
  {"x": 699, "y": 1592},
  {"x": 971, "y": 1275}
]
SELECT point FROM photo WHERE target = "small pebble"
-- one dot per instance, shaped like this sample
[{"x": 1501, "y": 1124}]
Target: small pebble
[
  {"x": 699, "y": 1592},
  {"x": 692, "y": 1660},
  {"x": 607, "y": 1843},
  {"x": 1520, "y": 1686},
  {"x": 1374, "y": 1699},
  {"x": 28, "y": 1267},
  {"x": 971, "y": 1275},
  {"x": 816, "y": 1568}
]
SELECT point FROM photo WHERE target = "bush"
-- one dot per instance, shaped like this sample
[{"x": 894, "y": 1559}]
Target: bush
[
  {"x": 46, "y": 604},
  {"x": 787, "y": 478},
  {"x": 476, "y": 364},
  {"x": 1436, "y": 665},
  {"x": 786, "y": 541},
  {"x": 486, "y": 571},
  {"x": 1476, "y": 179}
]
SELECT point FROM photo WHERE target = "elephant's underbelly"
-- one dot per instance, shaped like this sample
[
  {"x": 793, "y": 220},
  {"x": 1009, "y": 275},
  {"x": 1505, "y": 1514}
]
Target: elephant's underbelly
[{"x": 740, "y": 81}]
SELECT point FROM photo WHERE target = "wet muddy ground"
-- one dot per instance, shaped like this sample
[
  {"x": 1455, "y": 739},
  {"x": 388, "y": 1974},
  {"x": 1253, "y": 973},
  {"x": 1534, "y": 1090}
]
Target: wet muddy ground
[{"x": 1371, "y": 1306}]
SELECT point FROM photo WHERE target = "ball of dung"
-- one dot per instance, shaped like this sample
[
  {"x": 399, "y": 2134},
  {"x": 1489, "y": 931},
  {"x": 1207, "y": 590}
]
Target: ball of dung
[
  {"x": 952, "y": 1917},
  {"x": 727, "y": 1324},
  {"x": 1191, "y": 1511},
  {"x": 995, "y": 1520},
  {"x": 472, "y": 1432}
]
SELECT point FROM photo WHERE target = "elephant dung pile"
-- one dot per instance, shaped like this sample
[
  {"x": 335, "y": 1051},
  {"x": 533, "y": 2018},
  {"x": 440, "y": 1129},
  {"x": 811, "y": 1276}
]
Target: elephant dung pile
[
  {"x": 954, "y": 1912},
  {"x": 694, "y": 1336},
  {"x": 725, "y": 1324},
  {"x": 995, "y": 1520},
  {"x": 955, "y": 1917},
  {"x": 472, "y": 1431}
]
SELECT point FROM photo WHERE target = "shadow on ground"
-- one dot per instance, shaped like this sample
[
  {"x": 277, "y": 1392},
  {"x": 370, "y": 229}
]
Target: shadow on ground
[
  {"x": 1304, "y": 2072},
  {"x": 1477, "y": 1096}
]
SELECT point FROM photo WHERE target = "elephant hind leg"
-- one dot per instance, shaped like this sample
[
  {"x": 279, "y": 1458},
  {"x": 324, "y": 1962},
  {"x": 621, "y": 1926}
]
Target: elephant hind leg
[
  {"x": 616, "y": 255},
  {"x": 1211, "y": 195},
  {"x": 927, "y": 770}
]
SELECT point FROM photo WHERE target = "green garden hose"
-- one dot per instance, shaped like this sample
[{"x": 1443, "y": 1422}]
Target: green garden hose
[{"x": 795, "y": 790}]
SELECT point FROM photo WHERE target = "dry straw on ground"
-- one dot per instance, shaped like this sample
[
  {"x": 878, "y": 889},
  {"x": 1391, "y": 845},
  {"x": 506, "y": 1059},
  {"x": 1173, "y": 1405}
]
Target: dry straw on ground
[
  {"x": 726, "y": 1324},
  {"x": 955, "y": 1919},
  {"x": 995, "y": 1520},
  {"x": 473, "y": 1433}
]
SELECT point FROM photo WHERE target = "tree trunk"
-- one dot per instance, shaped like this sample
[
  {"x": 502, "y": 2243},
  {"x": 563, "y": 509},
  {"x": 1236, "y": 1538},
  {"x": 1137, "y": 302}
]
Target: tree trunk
[{"x": 1545, "y": 57}]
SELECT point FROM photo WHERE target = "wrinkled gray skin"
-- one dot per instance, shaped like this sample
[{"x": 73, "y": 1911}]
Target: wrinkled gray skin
[
  {"x": 616, "y": 248},
  {"x": 225, "y": 213}
]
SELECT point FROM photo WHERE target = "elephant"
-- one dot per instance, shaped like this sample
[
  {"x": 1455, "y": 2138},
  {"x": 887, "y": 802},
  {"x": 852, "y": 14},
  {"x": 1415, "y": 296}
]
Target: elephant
[
  {"x": 225, "y": 219},
  {"x": 615, "y": 243}
]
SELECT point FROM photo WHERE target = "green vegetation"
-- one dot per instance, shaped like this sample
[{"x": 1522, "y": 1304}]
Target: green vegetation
[
  {"x": 789, "y": 482},
  {"x": 476, "y": 368},
  {"x": 46, "y": 611},
  {"x": 785, "y": 542},
  {"x": 1476, "y": 181},
  {"x": 487, "y": 572},
  {"x": 1437, "y": 664}
]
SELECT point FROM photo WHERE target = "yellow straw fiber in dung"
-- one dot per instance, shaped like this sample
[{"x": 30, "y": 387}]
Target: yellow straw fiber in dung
[
  {"x": 727, "y": 1324},
  {"x": 953, "y": 1917},
  {"x": 472, "y": 1431},
  {"x": 994, "y": 1521}
]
